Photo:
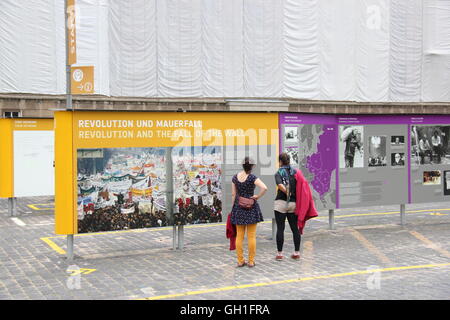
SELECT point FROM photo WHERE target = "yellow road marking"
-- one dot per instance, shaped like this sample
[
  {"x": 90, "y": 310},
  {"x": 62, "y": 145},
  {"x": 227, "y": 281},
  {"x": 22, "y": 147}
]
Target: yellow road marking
[
  {"x": 263, "y": 284},
  {"x": 84, "y": 271},
  {"x": 374, "y": 250},
  {"x": 53, "y": 245},
  {"x": 384, "y": 213},
  {"x": 47, "y": 206},
  {"x": 430, "y": 243},
  {"x": 61, "y": 251}
]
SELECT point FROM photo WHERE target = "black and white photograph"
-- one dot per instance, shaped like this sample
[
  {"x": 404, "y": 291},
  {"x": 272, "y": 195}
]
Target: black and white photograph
[
  {"x": 431, "y": 178},
  {"x": 291, "y": 134},
  {"x": 293, "y": 153},
  {"x": 398, "y": 159},
  {"x": 351, "y": 147},
  {"x": 430, "y": 145},
  {"x": 446, "y": 183},
  {"x": 377, "y": 151},
  {"x": 397, "y": 141}
]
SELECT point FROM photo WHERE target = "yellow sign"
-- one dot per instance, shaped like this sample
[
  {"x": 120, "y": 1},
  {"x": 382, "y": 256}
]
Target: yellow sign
[
  {"x": 71, "y": 32},
  {"x": 159, "y": 129},
  {"x": 77, "y": 131},
  {"x": 82, "y": 80},
  {"x": 7, "y": 128}
]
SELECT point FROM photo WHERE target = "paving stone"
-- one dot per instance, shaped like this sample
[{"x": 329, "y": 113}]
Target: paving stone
[{"x": 142, "y": 264}]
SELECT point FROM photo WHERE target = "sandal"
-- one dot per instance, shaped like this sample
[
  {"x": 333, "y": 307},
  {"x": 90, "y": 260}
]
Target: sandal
[
  {"x": 251, "y": 265},
  {"x": 240, "y": 265}
]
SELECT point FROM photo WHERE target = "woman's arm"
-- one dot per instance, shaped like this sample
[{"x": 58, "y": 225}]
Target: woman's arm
[
  {"x": 233, "y": 193},
  {"x": 262, "y": 187},
  {"x": 279, "y": 183},
  {"x": 282, "y": 188}
]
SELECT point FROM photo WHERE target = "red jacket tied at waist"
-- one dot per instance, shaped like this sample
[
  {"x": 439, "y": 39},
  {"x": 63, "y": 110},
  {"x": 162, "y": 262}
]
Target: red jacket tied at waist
[
  {"x": 231, "y": 233},
  {"x": 304, "y": 207}
]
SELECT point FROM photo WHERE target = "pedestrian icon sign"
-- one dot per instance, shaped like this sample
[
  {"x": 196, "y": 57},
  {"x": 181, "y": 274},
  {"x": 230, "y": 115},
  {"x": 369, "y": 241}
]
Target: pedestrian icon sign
[{"x": 83, "y": 80}]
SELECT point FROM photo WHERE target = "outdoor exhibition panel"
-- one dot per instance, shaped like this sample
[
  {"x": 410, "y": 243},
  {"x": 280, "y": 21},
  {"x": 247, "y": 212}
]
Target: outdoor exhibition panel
[
  {"x": 26, "y": 157},
  {"x": 310, "y": 140},
  {"x": 430, "y": 159},
  {"x": 381, "y": 160},
  {"x": 114, "y": 170},
  {"x": 369, "y": 174}
]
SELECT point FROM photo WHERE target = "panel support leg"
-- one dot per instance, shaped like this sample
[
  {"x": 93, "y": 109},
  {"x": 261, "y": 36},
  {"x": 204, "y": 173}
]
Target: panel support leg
[
  {"x": 331, "y": 219},
  {"x": 402, "y": 214},
  {"x": 180, "y": 237},
  {"x": 70, "y": 239},
  {"x": 174, "y": 236},
  {"x": 12, "y": 207}
]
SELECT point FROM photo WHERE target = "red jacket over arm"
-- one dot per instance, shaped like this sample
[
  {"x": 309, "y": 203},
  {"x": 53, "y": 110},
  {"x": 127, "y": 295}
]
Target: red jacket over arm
[
  {"x": 304, "y": 207},
  {"x": 231, "y": 233}
]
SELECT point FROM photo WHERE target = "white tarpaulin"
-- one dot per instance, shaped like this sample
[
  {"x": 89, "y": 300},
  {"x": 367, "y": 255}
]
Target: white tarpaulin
[{"x": 357, "y": 50}]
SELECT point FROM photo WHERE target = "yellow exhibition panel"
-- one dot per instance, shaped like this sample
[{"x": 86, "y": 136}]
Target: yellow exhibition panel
[
  {"x": 110, "y": 166},
  {"x": 26, "y": 141}
]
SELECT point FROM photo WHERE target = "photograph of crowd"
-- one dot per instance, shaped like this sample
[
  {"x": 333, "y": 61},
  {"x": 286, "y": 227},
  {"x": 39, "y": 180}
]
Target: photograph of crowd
[
  {"x": 121, "y": 188},
  {"x": 397, "y": 159},
  {"x": 291, "y": 134},
  {"x": 293, "y": 153},
  {"x": 197, "y": 185},
  {"x": 377, "y": 151},
  {"x": 397, "y": 141},
  {"x": 431, "y": 178},
  {"x": 124, "y": 188},
  {"x": 351, "y": 147},
  {"x": 430, "y": 145}
]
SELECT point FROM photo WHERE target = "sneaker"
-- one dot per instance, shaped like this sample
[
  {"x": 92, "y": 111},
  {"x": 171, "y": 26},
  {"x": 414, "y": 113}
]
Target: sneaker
[
  {"x": 295, "y": 256},
  {"x": 251, "y": 265},
  {"x": 279, "y": 257}
]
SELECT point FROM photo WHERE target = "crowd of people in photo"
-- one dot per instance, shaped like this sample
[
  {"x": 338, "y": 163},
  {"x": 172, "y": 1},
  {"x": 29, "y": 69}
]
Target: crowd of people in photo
[
  {"x": 111, "y": 219},
  {"x": 129, "y": 191},
  {"x": 190, "y": 213}
]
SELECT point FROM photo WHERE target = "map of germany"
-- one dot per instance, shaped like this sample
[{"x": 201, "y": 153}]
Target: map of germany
[{"x": 317, "y": 153}]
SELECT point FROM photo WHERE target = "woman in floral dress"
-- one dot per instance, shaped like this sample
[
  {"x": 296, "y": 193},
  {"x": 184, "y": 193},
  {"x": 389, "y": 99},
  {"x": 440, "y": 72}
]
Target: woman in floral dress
[{"x": 244, "y": 184}]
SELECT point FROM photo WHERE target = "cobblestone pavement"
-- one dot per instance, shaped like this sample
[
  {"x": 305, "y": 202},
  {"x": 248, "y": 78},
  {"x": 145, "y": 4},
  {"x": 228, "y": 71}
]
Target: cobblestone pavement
[{"x": 369, "y": 256}]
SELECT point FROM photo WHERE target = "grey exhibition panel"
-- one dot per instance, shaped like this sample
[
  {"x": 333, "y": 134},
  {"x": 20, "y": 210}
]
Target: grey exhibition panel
[
  {"x": 265, "y": 168},
  {"x": 366, "y": 185}
]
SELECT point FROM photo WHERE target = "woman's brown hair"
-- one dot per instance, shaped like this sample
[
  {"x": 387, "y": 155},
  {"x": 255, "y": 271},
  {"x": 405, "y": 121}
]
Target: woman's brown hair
[
  {"x": 285, "y": 159},
  {"x": 247, "y": 165}
]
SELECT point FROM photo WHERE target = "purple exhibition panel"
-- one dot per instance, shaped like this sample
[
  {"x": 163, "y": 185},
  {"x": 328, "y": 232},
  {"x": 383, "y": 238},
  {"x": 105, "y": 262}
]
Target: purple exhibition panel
[
  {"x": 310, "y": 140},
  {"x": 369, "y": 160}
]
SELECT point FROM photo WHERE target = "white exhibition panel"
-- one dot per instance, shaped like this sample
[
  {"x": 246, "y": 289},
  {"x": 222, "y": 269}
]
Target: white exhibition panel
[
  {"x": 34, "y": 174},
  {"x": 355, "y": 50}
]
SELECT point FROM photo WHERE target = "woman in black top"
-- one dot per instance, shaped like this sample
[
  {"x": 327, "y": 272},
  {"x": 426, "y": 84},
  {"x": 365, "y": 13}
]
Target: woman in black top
[{"x": 286, "y": 183}]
